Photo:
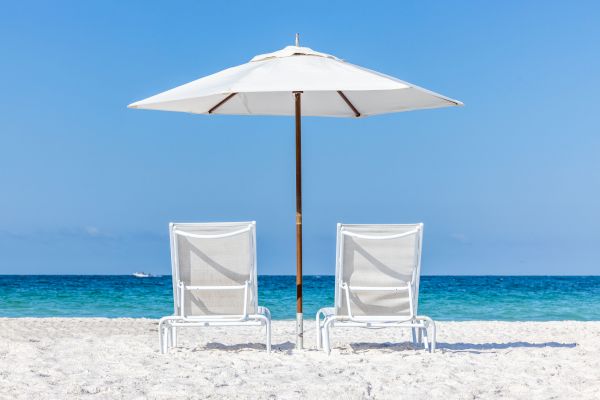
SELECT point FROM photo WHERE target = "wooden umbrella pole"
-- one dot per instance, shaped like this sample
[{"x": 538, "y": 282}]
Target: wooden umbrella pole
[{"x": 299, "y": 317}]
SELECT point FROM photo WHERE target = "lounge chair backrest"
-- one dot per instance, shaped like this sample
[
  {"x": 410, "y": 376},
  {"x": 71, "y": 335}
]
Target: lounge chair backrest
[
  {"x": 370, "y": 260},
  {"x": 214, "y": 261}
]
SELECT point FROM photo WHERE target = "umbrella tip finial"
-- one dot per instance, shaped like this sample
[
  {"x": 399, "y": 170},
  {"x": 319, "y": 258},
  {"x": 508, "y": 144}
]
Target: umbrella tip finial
[{"x": 297, "y": 40}]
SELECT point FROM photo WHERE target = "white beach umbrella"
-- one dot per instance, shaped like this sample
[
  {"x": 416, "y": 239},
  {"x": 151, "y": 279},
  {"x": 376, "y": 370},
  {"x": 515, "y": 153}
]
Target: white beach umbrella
[{"x": 296, "y": 81}]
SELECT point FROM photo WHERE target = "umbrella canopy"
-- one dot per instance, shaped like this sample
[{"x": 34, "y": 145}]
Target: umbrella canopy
[
  {"x": 296, "y": 81},
  {"x": 331, "y": 87}
]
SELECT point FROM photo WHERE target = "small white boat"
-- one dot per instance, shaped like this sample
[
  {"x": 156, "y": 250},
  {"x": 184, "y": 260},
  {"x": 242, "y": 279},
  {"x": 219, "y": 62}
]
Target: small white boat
[{"x": 142, "y": 275}]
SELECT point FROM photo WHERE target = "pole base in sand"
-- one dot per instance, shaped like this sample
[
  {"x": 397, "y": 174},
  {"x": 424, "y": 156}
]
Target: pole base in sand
[{"x": 299, "y": 331}]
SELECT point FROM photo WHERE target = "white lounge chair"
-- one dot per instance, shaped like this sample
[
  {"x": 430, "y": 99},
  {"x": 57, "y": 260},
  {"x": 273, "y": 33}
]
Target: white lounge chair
[
  {"x": 377, "y": 282},
  {"x": 214, "y": 279}
]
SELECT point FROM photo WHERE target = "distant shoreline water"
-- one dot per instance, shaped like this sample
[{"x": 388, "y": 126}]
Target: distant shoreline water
[{"x": 458, "y": 298}]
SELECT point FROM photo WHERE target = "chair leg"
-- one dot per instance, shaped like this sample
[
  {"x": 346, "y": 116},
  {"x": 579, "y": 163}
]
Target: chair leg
[
  {"x": 425, "y": 338},
  {"x": 319, "y": 333},
  {"x": 414, "y": 336},
  {"x": 326, "y": 342},
  {"x": 428, "y": 322},
  {"x": 433, "y": 338},
  {"x": 164, "y": 338},
  {"x": 268, "y": 328},
  {"x": 174, "y": 336},
  {"x": 160, "y": 338},
  {"x": 170, "y": 337}
]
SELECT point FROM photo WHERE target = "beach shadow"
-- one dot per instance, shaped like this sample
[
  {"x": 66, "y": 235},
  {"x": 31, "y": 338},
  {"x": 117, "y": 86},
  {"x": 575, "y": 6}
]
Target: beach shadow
[
  {"x": 363, "y": 346},
  {"x": 486, "y": 347},
  {"x": 232, "y": 347},
  {"x": 286, "y": 346},
  {"x": 476, "y": 348}
]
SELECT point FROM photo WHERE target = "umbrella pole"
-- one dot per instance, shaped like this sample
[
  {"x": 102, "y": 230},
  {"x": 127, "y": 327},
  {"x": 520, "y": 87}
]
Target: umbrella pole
[{"x": 299, "y": 317}]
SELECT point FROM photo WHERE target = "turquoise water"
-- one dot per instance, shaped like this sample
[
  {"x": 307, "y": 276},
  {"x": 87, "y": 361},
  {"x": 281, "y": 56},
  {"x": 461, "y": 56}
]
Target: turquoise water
[{"x": 510, "y": 298}]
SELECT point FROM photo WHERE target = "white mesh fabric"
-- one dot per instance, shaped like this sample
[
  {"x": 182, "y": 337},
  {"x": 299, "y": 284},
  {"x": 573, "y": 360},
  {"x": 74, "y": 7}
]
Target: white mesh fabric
[
  {"x": 377, "y": 263},
  {"x": 227, "y": 261}
]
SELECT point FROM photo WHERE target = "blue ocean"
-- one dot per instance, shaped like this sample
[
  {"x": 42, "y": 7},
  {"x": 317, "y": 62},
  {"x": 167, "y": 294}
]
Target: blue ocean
[{"x": 458, "y": 298}]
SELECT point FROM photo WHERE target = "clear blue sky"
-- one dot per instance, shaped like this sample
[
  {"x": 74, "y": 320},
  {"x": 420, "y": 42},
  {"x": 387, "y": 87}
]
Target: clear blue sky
[{"x": 509, "y": 184}]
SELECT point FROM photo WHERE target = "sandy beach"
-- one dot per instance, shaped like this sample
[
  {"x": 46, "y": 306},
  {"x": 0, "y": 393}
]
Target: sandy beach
[{"x": 52, "y": 358}]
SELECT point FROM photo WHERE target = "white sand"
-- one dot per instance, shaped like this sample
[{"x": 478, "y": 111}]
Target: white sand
[{"x": 118, "y": 358}]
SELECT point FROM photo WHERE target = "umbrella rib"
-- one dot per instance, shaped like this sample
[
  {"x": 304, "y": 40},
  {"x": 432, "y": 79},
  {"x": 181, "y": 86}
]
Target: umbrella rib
[
  {"x": 354, "y": 110},
  {"x": 219, "y": 104}
]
